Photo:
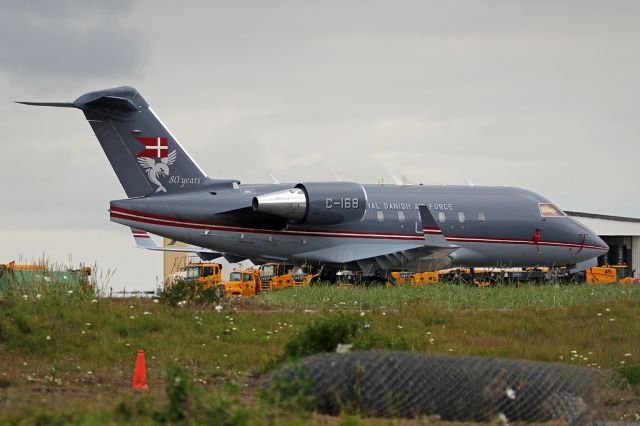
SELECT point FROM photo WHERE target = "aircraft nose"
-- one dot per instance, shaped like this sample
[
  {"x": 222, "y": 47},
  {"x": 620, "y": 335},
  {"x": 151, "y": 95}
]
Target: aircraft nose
[
  {"x": 599, "y": 242},
  {"x": 591, "y": 239}
]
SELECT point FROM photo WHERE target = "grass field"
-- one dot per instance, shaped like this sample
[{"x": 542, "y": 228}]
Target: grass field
[{"x": 69, "y": 357}]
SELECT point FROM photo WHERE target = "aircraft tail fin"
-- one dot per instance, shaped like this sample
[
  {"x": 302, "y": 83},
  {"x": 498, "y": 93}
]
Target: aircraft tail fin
[{"x": 146, "y": 157}]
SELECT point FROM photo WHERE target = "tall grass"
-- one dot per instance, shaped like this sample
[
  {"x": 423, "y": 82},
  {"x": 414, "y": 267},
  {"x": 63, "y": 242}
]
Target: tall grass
[
  {"x": 81, "y": 348},
  {"x": 54, "y": 280},
  {"x": 448, "y": 296}
]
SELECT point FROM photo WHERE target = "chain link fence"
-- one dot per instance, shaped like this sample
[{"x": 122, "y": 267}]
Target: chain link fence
[{"x": 458, "y": 388}]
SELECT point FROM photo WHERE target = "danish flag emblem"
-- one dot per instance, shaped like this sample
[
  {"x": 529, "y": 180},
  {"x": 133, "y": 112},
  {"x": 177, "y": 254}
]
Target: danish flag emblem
[{"x": 154, "y": 147}]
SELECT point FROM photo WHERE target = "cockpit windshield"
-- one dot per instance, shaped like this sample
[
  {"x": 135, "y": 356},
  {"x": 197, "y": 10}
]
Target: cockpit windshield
[
  {"x": 193, "y": 272},
  {"x": 548, "y": 209},
  {"x": 268, "y": 271}
]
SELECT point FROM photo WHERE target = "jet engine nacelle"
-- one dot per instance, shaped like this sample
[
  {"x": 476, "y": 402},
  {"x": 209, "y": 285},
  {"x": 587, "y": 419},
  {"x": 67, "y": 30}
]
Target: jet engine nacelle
[{"x": 315, "y": 203}]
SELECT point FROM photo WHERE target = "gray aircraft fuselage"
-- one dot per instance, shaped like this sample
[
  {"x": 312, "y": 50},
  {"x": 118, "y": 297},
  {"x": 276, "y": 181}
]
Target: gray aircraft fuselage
[
  {"x": 336, "y": 224},
  {"x": 498, "y": 227}
]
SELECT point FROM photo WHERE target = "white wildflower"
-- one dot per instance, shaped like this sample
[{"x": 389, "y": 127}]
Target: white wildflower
[
  {"x": 343, "y": 348},
  {"x": 511, "y": 394},
  {"x": 48, "y": 337},
  {"x": 94, "y": 300}
]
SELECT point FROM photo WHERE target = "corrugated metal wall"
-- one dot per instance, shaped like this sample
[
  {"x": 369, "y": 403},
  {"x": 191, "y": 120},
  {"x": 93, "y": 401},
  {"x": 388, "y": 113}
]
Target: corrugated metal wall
[{"x": 610, "y": 227}]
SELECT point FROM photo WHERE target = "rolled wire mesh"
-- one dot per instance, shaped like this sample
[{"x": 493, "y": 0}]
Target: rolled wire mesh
[{"x": 408, "y": 384}]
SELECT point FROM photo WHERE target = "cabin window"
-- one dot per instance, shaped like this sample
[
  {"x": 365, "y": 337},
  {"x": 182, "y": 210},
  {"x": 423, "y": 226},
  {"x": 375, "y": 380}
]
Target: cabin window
[
  {"x": 481, "y": 217},
  {"x": 401, "y": 216},
  {"x": 548, "y": 209},
  {"x": 442, "y": 217},
  {"x": 380, "y": 216},
  {"x": 461, "y": 217}
]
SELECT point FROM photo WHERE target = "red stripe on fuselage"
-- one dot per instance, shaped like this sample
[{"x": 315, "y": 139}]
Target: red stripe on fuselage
[{"x": 120, "y": 213}]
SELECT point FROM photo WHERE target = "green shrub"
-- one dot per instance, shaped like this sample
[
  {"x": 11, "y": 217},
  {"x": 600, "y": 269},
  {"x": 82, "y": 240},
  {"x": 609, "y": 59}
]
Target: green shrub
[
  {"x": 23, "y": 325},
  {"x": 188, "y": 291},
  {"x": 291, "y": 390},
  {"x": 631, "y": 373},
  {"x": 177, "y": 389},
  {"x": 324, "y": 335},
  {"x": 4, "y": 382}
]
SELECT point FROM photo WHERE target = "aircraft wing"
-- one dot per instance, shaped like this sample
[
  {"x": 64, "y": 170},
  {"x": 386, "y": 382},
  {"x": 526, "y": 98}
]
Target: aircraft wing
[{"x": 432, "y": 254}]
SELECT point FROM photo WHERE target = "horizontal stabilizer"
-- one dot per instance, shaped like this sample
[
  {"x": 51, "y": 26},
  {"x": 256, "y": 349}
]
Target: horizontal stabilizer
[
  {"x": 49, "y": 104},
  {"x": 112, "y": 102},
  {"x": 144, "y": 241}
]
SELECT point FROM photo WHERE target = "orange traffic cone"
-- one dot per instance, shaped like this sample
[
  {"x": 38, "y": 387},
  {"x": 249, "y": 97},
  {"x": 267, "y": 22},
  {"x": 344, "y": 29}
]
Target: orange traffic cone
[{"x": 140, "y": 373}]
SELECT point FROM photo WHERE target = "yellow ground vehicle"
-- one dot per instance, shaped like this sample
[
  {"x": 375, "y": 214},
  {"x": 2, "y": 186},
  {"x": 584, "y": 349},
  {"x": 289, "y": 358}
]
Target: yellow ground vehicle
[
  {"x": 275, "y": 276},
  {"x": 241, "y": 283},
  {"x": 410, "y": 278},
  {"x": 207, "y": 274},
  {"x": 18, "y": 267},
  {"x": 608, "y": 274},
  {"x": 301, "y": 278},
  {"x": 13, "y": 273}
]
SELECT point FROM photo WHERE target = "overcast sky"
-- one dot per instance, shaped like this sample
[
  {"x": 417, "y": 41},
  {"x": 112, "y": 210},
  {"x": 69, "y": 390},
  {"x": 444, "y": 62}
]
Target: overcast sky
[{"x": 542, "y": 94}]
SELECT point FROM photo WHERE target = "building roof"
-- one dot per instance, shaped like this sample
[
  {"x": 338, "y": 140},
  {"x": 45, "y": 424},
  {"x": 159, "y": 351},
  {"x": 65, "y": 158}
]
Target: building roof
[
  {"x": 603, "y": 216},
  {"x": 608, "y": 225}
]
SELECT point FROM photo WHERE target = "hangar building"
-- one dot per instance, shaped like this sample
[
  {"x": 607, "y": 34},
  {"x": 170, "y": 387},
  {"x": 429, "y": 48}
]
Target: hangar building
[{"x": 622, "y": 234}]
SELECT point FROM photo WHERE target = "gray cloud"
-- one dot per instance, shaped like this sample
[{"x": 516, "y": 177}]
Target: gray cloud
[{"x": 68, "y": 40}]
